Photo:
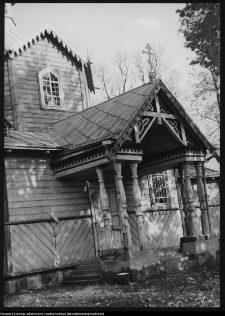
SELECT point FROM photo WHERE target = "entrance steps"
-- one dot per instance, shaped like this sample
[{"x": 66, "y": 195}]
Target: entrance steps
[
  {"x": 173, "y": 259},
  {"x": 88, "y": 272}
]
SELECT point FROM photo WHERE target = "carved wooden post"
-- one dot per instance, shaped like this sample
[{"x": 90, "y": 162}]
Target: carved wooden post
[
  {"x": 190, "y": 200},
  {"x": 137, "y": 201},
  {"x": 105, "y": 209},
  {"x": 123, "y": 207},
  {"x": 181, "y": 198},
  {"x": 201, "y": 195}
]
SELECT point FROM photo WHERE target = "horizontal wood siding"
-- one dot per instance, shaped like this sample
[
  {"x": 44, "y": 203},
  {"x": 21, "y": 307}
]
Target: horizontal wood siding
[
  {"x": 28, "y": 64},
  {"x": 8, "y": 110},
  {"x": 33, "y": 191}
]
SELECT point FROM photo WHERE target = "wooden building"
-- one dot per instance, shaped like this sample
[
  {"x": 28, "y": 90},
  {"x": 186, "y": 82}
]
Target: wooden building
[{"x": 80, "y": 180}]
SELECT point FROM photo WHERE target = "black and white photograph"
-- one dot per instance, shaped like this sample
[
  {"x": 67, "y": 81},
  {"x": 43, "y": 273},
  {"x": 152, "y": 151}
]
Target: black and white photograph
[{"x": 111, "y": 157}]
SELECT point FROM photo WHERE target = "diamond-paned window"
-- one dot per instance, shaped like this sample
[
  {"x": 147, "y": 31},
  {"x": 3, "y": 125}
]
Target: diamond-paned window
[{"x": 51, "y": 90}]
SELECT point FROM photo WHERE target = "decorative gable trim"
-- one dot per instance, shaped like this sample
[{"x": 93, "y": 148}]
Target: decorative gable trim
[
  {"x": 188, "y": 120},
  {"x": 136, "y": 116},
  {"x": 33, "y": 38}
]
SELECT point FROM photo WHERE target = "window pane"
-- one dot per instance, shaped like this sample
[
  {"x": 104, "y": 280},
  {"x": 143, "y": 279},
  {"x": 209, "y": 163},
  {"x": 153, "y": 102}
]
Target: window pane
[
  {"x": 46, "y": 76},
  {"x": 53, "y": 78},
  {"x": 159, "y": 187}
]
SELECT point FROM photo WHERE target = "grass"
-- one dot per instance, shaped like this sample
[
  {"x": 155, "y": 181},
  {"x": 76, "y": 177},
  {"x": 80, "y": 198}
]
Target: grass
[{"x": 195, "y": 287}]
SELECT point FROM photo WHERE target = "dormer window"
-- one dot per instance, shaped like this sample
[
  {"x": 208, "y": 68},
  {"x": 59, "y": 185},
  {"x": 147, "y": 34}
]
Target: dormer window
[{"x": 50, "y": 89}]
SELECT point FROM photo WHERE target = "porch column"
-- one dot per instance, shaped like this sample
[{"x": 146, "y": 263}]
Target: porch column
[
  {"x": 190, "y": 201},
  {"x": 182, "y": 199},
  {"x": 201, "y": 195},
  {"x": 123, "y": 207},
  {"x": 105, "y": 209},
  {"x": 137, "y": 201}
]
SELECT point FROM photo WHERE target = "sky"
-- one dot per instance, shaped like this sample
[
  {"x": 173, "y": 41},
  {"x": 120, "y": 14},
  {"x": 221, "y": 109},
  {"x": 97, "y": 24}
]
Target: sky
[{"x": 103, "y": 28}]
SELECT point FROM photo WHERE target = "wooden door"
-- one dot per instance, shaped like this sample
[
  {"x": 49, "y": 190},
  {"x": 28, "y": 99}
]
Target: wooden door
[
  {"x": 116, "y": 224},
  {"x": 99, "y": 223}
]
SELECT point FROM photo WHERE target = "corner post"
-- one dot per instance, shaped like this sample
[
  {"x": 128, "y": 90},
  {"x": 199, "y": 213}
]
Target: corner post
[
  {"x": 105, "y": 209},
  {"x": 201, "y": 195},
  {"x": 190, "y": 201},
  {"x": 123, "y": 208},
  {"x": 137, "y": 201},
  {"x": 182, "y": 198}
]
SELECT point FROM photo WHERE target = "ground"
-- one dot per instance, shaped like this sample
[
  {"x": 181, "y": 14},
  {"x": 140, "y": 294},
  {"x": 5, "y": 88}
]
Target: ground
[{"x": 198, "y": 286}]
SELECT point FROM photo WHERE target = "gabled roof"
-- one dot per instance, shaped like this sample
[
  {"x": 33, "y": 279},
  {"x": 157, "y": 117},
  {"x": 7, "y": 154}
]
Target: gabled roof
[
  {"x": 115, "y": 118},
  {"x": 13, "y": 38},
  {"x": 29, "y": 140},
  {"x": 209, "y": 173},
  {"x": 20, "y": 45},
  {"x": 103, "y": 121}
]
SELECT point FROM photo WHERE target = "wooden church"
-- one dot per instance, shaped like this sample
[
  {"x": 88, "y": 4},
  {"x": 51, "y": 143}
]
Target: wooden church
[{"x": 82, "y": 181}]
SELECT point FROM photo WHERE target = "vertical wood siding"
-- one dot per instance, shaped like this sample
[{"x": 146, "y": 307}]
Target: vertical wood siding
[
  {"x": 8, "y": 111},
  {"x": 28, "y": 64}
]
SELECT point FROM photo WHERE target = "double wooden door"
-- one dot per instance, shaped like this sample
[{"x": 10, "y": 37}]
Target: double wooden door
[{"x": 99, "y": 222}]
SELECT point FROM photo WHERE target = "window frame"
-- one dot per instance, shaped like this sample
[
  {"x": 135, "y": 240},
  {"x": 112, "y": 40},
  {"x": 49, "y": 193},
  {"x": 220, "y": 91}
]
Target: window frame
[
  {"x": 154, "y": 204},
  {"x": 41, "y": 89}
]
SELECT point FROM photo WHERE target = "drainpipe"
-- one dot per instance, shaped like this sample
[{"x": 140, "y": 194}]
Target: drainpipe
[{"x": 206, "y": 199}]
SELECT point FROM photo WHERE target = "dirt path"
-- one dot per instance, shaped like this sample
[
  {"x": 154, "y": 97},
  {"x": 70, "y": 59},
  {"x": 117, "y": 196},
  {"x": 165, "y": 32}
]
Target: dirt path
[{"x": 196, "y": 287}]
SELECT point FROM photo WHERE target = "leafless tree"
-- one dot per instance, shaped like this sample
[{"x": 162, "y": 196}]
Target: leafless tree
[
  {"x": 203, "y": 103},
  {"x": 163, "y": 66}
]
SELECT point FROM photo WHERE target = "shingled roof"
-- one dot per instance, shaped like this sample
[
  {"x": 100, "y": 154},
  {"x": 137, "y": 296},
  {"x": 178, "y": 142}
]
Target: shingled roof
[
  {"x": 114, "y": 119},
  {"x": 29, "y": 140},
  {"x": 103, "y": 121}
]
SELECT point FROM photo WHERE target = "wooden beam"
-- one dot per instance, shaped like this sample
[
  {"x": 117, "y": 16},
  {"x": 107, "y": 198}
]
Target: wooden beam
[
  {"x": 81, "y": 168},
  {"x": 164, "y": 115},
  {"x": 8, "y": 266},
  {"x": 14, "y": 94},
  {"x": 148, "y": 127},
  {"x": 183, "y": 133},
  {"x": 172, "y": 131},
  {"x": 136, "y": 130}
]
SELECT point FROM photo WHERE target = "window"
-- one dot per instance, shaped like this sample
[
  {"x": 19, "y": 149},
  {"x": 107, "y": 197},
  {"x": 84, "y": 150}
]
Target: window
[
  {"x": 50, "y": 89},
  {"x": 159, "y": 192}
]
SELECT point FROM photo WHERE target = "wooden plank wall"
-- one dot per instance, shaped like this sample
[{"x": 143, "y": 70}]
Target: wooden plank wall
[
  {"x": 33, "y": 193},
  {"x": 164, "y": 228},
  {"x": 28, "y": 64},
  {"x": 213, "y": 195},
  {"x": 74, "y": 240},
  {"x": 8, "y": 111}
]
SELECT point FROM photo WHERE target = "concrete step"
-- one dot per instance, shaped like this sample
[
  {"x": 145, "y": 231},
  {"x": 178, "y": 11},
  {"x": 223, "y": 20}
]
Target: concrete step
[
  {"x": 88, "y": 267},
  {"x": 85, "y": 277},
  {"x": 92, "y": 261},
  {"x": 86, "y": 272},
  {"x": 83, "y": 282}
]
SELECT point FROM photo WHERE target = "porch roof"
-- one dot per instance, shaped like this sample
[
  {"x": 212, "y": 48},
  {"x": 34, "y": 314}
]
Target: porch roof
[
  {"x": 29, "y": 140},
  {"x": 114, "y": 119}
]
